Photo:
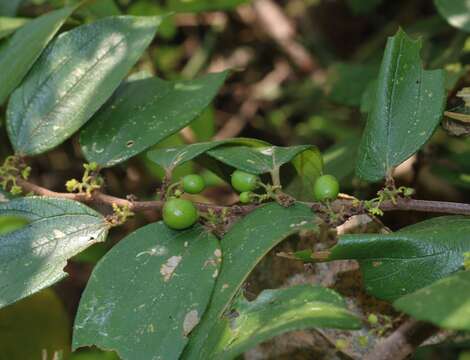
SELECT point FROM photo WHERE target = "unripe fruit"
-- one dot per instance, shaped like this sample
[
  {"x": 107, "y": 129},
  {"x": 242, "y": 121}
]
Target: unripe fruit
[
  {"x": 179, "y": 214},
  {"x": 193, "y": 184},
  {"x": 243, "y": 181},
  {"x": 326, "y": 187},
  {"x": 245, "y": 197}
]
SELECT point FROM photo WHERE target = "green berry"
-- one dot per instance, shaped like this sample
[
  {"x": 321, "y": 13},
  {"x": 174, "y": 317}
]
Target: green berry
[
  {"x": 179, "y": 214},
  {"x": 193, "y": 184},
  {"x": 243, "y": 181},
  {"x": 245, "y": 197},
  {"x": 326, "y": 188}
]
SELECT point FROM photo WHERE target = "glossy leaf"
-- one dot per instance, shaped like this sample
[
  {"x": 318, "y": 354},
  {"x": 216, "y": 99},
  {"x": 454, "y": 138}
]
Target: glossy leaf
[
  {"x": 246, "y": 243},
  {"x": 407, "y": 108},
  {"x": 143, "y": 113},
  {"x": 9, "y": 25},
  {"x": 33, "y": 257},
  {"x": 148, "y": 293},
  {"x": 259, "y": 160},
  {"x": 72, "y": 79},
  {"x": 456, "y": 12},
  {"x": 278, "y": 311},
  {"x": 399, "y": 263},
  {"x": 24, "y": 47},
  {"x": 170, "y": 158},
  {"x": 445, "y": 303},
  {"x": 23, "y": 333}
]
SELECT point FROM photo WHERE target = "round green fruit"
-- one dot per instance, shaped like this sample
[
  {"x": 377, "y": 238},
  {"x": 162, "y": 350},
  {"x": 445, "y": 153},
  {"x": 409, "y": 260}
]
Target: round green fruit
[
  {"x": 179, "y": 214},
  {"x": 193, "y": 184},
  {"x": 243, "y": 181},
  {"x": 326, "y": 187},
  {"x": 245, "y": 197}
]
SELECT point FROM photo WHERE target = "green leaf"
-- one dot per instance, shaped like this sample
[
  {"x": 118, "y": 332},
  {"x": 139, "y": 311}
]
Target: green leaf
[
  {"x": 143, "y": 113},
  {"x": 9, "y": 7},
  {"x": 246, "y": 243},
  {"x": 204, "y": 5},
  {"x": 33, "y": 257},
  {"x": 349, "y": 81},
  {"x": 147, "y": 294},
  {"x": 72, "y": 79},
  {"x": 9, "y": 25},
  {"x": 456, "y": 12},
  {"x": 23, "y": 330},
  {"x": 278, "y": 311},
  {"x": 407, "y": 108},
  {"x": 170, "y": 158},
  {"x": 261, "y": 160},
  {"x": 24, "y": 47},
  {"x": 445, "y": 303},
  {"x": 399, "y": 263}
]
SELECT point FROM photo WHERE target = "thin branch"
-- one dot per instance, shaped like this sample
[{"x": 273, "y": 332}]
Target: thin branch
[
  {"x": 98, "y": 197},
  {"x": 343, "y": 205},
  {"x": 403, "y": 341}
]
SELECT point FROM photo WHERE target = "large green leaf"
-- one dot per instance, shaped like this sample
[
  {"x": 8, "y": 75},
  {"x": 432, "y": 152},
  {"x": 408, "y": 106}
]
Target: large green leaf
[
  {"x": 243, "y": 247},
  {"x": 143, "y": 113},
  {"x": 399, "y": 263},
  {"x": 71, "y": 80},
  {"x": 33, "y": 257},
  {"x": 25, "y": 46},
  {"x": 23, "y": 333},
  {"x": 9, "y": 25},
  {"x": 456, "y": 12},
  {"x": 147, "y": 294},
  {"x": 278, "y": 311},
  {"x": 170, "y": 158},
  {"x": 445, "y": 303},
  {"x": 408, "y": 105},
  {"x": 261, "y": 160}
]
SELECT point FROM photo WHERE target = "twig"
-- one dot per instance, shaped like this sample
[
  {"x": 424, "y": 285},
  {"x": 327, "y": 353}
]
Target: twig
[
  {"x": 98, "y": 197},
  {"x": 343, "y": 204},
  {"x": 403, "y": 341}
]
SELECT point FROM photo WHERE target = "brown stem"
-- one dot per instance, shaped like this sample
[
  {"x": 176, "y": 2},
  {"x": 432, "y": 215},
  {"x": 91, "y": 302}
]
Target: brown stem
[
  {"x": 403, "y": 341},
  {"x": 98, "y": 197},
  {"x": 340, "y": 204}
]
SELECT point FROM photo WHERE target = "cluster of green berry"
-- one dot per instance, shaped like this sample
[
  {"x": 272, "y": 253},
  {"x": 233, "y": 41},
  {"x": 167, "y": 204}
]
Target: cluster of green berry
[{"x": 181, "y": 213}]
